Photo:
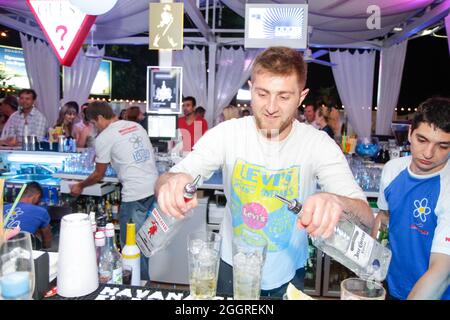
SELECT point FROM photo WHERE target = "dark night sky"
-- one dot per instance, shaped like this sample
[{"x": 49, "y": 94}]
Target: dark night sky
[{"x": 426, "y": 72}]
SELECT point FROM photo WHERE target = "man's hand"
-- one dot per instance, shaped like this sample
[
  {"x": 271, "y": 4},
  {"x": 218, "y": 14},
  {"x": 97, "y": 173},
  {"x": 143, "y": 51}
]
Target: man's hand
[
  {"x": 382, "y": 218},
  {"x": 321, "y": 213},
  {"x": 170, "y": 195},
  {"x": 76, "y": 189}
]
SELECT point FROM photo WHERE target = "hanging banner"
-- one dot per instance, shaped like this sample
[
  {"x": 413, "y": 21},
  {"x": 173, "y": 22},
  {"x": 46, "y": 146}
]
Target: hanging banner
[
  {"x": 64, "y": 26},
  {"x": 166, "y": 26}
]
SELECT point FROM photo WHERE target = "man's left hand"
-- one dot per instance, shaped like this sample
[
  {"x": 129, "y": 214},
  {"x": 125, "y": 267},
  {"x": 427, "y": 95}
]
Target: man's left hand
[
  {"x": 321, "y": 213},
  {"x": 76, "y": 189}
]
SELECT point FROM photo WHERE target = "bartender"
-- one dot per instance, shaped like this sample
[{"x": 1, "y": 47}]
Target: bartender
[
  {"x": 126, "y": 146},
  {"x": 28, "y": 120}
]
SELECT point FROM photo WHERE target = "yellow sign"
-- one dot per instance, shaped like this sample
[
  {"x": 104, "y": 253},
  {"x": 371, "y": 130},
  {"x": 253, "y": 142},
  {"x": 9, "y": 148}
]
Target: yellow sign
[{"x": 166, "y": 26}]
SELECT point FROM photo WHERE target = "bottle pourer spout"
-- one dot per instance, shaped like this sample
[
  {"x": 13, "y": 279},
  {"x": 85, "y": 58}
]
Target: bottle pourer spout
[
  {"x": 196, "y": 180},
  {"x": 293, "y": 204},
  {"x": 283, "y": 199},
  {"x": 191, "y": 188}
]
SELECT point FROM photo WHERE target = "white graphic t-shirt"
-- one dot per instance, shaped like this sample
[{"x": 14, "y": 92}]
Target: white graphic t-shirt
[
  {"x": 127, "y": 147},
  {"x": 254, "y": 171}
]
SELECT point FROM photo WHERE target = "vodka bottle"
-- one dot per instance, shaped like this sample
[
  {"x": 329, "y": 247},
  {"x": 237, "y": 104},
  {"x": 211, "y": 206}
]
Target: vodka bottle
[
  {"x": 104, "y": 262},
  {"x": 352, "y": 247},
  {"x": 93, "y": 222},
  {"x": 114, "y": 255},
  {"x": 99, "y": 244},
  {"x": 131, "y": 256},
  {"x": 115, "y": 209},
  {"x": 159, "y": 228}
]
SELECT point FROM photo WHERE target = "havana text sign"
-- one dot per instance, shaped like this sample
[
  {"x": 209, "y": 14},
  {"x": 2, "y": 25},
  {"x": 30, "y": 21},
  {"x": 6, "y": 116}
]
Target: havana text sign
[{"x": 64, "y": 25}]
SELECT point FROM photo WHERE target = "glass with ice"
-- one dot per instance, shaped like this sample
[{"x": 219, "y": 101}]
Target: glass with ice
[
  {"x": 249, "y": 255},
  {"x": 203, "y": 257},
  {"x": 360, "y": 289}
]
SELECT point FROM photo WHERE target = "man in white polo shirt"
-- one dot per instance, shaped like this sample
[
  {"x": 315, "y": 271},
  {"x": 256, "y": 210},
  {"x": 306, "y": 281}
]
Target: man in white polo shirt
[{"x": 127, "y": 147}]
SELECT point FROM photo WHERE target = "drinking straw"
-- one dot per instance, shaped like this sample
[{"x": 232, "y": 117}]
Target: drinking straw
[{"x": 11, "y": 211}]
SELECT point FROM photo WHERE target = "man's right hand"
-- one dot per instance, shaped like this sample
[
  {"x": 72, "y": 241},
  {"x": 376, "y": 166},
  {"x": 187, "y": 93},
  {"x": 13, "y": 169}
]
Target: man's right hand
[{"x": 170, "y": 195}]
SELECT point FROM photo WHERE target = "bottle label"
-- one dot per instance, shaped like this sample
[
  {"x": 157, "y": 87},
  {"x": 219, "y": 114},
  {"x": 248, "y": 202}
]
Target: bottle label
[
  {"x": 162, "y": 224},
  {"x": 360, "y": 248},
  {"x": 116, "y": 276},
  {"x": 153, "y": 234}
]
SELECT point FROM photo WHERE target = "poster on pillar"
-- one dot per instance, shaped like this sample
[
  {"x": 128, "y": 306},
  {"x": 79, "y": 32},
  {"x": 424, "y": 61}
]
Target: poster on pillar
[
  {"x": 164, "y": 90},
  {"x": 64, "y": 26},
  {"x": 166, "y": 26}
]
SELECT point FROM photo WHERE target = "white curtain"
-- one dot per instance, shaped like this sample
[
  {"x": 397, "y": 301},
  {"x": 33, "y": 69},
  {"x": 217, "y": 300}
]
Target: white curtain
[
  {"x": 194, "y": 73},
  {"x": 79, "y": 77},
  {"x": 43, "y": 72},
  {"x": 392, "y": 60},
  {"x": 354, "y": 80},
  {"x": 234, "y": 67}
]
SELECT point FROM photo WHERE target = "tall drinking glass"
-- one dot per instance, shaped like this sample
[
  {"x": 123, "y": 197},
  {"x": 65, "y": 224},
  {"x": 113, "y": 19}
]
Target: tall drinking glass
[
  {"x": 249, "y": 255},
  {"x": 17, "y": 268},
  {"x": 203, "y": 257},
  {"x": 359, "y": 289}
]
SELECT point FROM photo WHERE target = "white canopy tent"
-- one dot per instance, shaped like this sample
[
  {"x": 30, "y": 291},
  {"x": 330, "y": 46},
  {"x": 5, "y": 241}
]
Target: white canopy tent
[{"x": 341, "y": 24}]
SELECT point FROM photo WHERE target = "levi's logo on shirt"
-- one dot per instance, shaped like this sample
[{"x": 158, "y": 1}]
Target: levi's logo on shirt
[{"x": 447, "y": 239}]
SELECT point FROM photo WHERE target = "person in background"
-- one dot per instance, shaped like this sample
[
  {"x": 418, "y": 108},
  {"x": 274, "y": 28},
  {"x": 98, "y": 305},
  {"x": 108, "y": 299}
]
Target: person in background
[
  {"x": 126, "y": 146},
  {"x": 74, "y": 105},
  {"x": 123, "y": 114},
  {"x": 192, "y": 129},
  {"x": 245, "y": 113},
  {"x": 268, "y": 154},
  {"x": 334, "y": 120},
  {"x": 65, "y": 121},
  {"x": 31, "y": 217},
  {"x": 321, "y": 120},
  {"x": 200, "y": 112},
  {"x": 8, "y": 105},
  {"x": 230, "y": 112},
  {"x": 84, "y": 131},
  {"x": 135, "y": 114},
  {"x": 310, "y": 115},
  {"x": 414, "y": 203},
  {"x": 27, "y": 114}
]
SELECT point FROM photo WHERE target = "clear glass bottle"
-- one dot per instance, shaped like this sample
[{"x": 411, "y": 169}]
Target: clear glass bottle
[
  {"x": 352, "y": 247},
  {"x": 104, "y": 270},
  {"x": 115, "y": 209},
  {"x": 159, "y": 228},
  {"x": 114, "y": 255}
]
